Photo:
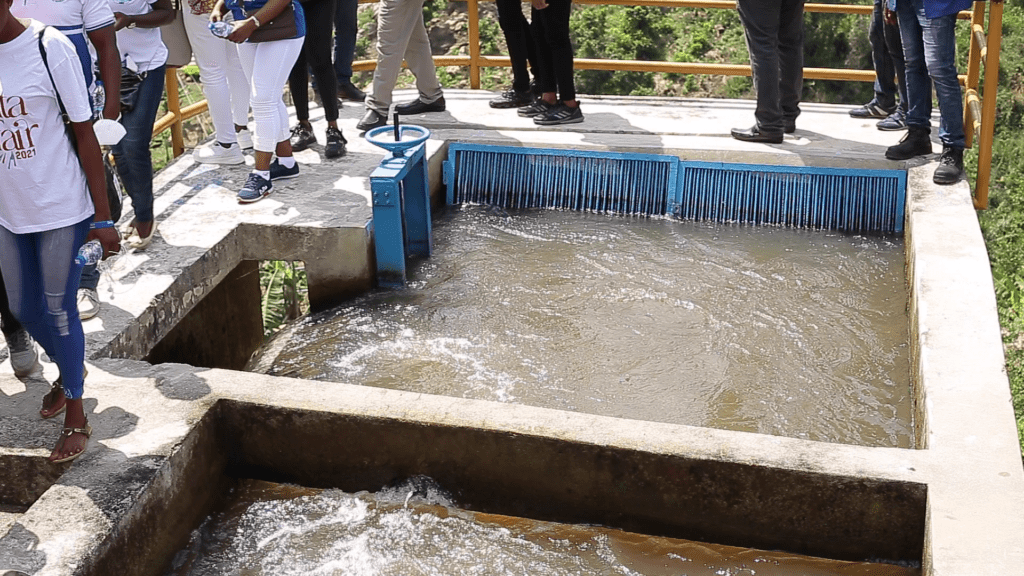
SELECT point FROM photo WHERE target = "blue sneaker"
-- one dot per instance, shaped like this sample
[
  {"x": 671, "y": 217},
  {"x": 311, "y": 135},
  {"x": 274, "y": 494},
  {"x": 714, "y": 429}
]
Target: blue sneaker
[
  {"x": 279, "y": 172},
  {"x": 256, "y": 188}
]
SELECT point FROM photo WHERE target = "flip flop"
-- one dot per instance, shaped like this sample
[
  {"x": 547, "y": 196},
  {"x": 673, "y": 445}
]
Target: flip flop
[
  {"x": 66, "y": 433},
  {"x": 132, "y": 240}
]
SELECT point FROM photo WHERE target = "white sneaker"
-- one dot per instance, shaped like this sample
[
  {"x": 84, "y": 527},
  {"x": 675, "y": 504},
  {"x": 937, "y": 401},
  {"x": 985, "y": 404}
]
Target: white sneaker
[
  {"x": 24, "y": 357},
  {"x": 217, "y": 154},
  {"x": 244, "y": 139},
  {"x": 88, "y": 303}
]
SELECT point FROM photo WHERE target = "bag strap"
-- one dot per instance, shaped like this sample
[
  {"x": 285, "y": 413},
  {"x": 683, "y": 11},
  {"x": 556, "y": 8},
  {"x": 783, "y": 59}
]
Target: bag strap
[{"x": 46, "y": 64}]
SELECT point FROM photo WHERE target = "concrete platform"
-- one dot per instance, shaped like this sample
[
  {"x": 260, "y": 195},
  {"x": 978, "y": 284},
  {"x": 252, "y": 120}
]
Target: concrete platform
[{"x": 168, "y": 432}]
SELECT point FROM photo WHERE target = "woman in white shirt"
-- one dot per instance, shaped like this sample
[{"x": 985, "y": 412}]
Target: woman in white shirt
[
  {"x": 142, "y": 54},
  {"x": 50, "y": 192}
]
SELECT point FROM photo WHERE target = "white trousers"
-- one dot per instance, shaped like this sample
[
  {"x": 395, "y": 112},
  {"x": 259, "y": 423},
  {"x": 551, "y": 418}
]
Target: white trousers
[
  {"x": 267, "y": 65},
  {"x": 224, "y": 83}
]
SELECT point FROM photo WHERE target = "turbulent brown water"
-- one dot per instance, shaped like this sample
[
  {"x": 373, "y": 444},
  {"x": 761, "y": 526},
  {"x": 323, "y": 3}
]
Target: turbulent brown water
[
  {"x": 761, "y": 329},
  {"x": 413, "y": 530}
]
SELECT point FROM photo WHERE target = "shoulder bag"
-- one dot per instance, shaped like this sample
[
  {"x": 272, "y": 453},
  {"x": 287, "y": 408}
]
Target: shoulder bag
[{"x": 282, "y": 27}]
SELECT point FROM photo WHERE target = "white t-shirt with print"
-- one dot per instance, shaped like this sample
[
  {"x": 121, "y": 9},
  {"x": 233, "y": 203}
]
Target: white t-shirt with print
[
  {"x": 143, "y": 45},
  {"x": 42, "y": 186}
]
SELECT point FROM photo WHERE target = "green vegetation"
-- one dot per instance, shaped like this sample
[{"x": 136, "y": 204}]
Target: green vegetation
[
  {"x": 1003, "y": 223},
  {"x": 283, "y": 287}
]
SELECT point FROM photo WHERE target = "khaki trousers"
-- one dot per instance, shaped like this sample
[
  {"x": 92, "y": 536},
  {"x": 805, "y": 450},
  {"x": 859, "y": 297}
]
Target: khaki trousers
[{"x": 401, "y": 34}]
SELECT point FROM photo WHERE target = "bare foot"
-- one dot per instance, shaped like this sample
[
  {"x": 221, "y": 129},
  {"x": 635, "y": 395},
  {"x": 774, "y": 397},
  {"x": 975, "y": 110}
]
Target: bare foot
[{"x": 54, "y": 402}]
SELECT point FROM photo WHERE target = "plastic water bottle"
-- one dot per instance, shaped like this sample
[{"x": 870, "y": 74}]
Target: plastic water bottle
[
  {"x": 221, "y": 29},
  {"x": 99, "y": 100},
  {"x": 90, "y": 253}
]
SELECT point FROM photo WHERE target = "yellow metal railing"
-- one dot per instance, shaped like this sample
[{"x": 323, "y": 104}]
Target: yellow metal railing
[{"x": 979, "y": 112}]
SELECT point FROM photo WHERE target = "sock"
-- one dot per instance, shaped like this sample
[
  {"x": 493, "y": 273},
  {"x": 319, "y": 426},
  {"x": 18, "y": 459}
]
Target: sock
[
  {"x": 226, "y": 144},
  {"x": 286, "y": 161},
  {"x": 265, "y": 174}
]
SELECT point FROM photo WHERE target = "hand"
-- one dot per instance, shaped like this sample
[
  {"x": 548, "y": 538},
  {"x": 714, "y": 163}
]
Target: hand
[
  {"x": 890, "y": 17},
  {"x": 121, "y": 21},
  {"x": 539, "y": 4},
  {"x": 112, "y": 109},
  {"x": 242, "y": 31},
  {"x": 109, "y": 238},
  {"x": 217, "y": 14}
]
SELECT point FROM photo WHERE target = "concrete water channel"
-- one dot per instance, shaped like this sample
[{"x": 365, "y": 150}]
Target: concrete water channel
[{"x": 174, "y": 417}]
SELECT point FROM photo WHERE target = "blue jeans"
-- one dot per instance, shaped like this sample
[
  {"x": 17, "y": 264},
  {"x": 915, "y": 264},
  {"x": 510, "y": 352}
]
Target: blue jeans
[
  {"x": 887, "y": 57},
  {"x": 41, "y": 278},
  {"x": 929, "y": 45},
  {"x": 132, "y": 154},
  {"x": 345, "y": 28}
]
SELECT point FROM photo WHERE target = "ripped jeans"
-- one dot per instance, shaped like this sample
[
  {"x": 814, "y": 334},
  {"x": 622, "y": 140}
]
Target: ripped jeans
[{"x": 41, "y": 276}]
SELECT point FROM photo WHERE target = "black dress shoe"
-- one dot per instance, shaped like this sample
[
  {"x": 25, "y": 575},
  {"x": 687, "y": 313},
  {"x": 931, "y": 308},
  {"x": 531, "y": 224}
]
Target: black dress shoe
[
  {"x": 418, "y": 106},
  {"x": 371, "y": 119},
  {"x": 348, "y": 91},
  {"x": 754, "y": 134}
]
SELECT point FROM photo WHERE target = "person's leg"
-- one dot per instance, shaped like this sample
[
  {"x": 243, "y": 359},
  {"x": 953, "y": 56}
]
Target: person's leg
[
  {"x": 421, "y": 60},
  {"x": 545, "y": 68},
  {"x": 318, "y": 53},
  {"x": 210, "y": 52},
  {"x": 919, "y": 85},
  {"x": 760, "y": 20},
  {"x": 270, "y": 115},
  {"x": 346, "y": 26},
  {"x": 517, "y": 36},
  {"x": 8, "y": 321},
  {"x": 395, "y": 22},
  {"x": 132, "y": 154},
  {"x": 791, "y": 59},
  {"x": 556, "y": 35},
  {"x": 42, "y": 277},
  {"x": 916, "y": 142},
  {"x": 894, "y": 47},
  {"x": 885, "y": 72},
  {"x": 298, "y": 81},
  {"x": 939, "y": 38}
]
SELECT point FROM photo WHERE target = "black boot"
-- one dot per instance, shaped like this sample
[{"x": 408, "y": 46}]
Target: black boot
[
  {"x": 914, "y": 143},
  {"x": 951, "y": 166}
]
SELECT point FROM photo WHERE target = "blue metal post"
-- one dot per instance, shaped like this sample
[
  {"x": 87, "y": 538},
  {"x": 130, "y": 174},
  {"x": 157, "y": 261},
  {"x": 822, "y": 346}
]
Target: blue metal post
[{"x": 400, "y": 226}]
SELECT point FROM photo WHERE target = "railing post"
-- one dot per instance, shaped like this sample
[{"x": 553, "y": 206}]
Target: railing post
[
  {"x": 988, "y": 110},
  {"x": 473, "y": 8},
  {"x": 973, "y": 68},
  {"x": 174, "y": 107}
]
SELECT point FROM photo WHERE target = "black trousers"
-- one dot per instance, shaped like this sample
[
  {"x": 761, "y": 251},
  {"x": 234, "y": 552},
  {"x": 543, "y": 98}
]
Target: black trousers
[
  {"x": 8, "y": 323},
  {"x": 521, "y": 47},
  {"x": 316, "y": 54},
  {"x": 775, "y": 40},
  {"x": 550, "y": 28}
]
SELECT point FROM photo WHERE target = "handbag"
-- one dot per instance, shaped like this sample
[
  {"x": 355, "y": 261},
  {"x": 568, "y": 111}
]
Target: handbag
[
  {"x": 282, "y": 27},
  {"x": 179, "y": 49}
]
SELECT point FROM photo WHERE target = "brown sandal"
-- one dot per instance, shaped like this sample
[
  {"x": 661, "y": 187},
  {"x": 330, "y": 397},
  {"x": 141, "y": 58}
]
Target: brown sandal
[
  {"x": 66, "y": 433},
  {"x": 52, "y": 397}
]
